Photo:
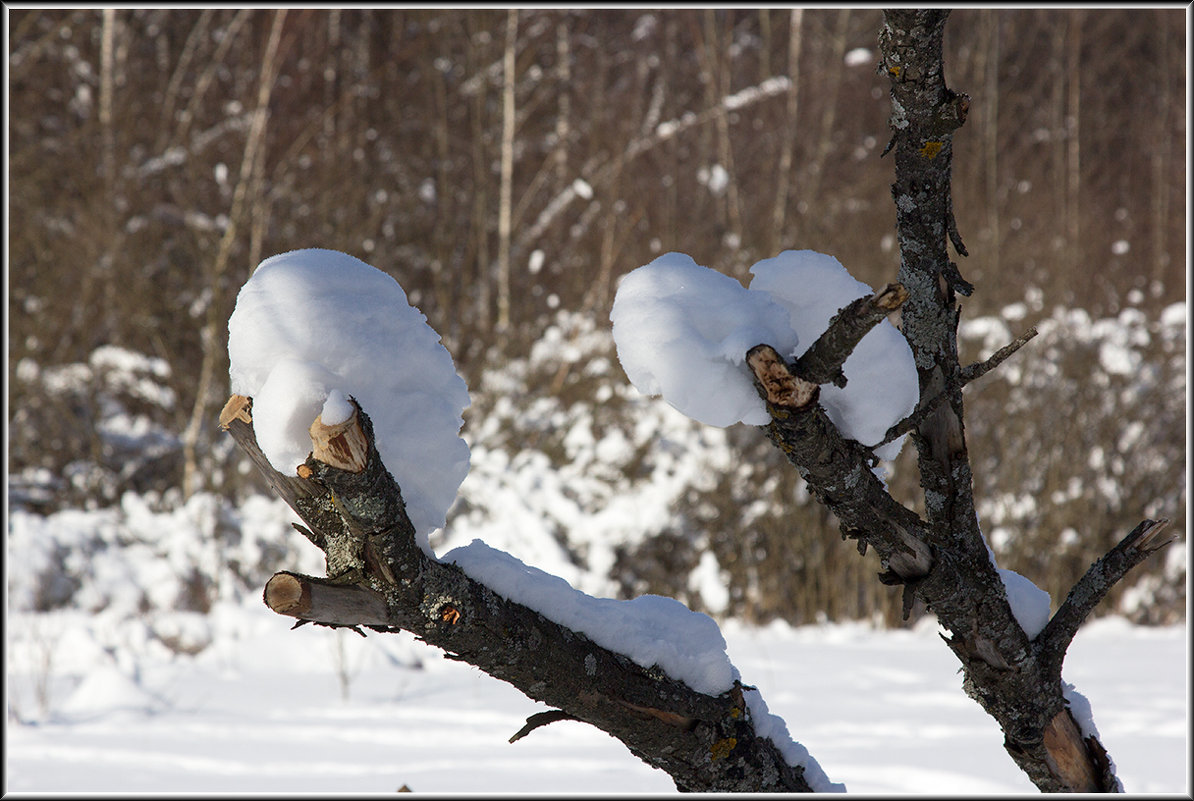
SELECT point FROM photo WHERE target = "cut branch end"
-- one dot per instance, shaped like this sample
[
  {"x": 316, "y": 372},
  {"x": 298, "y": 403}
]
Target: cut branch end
[
  {"x": 781, "y": 387},
  {"x": 341, "y": 445},
  {"x": 238, "y": 407},
  {"x": 1147, "y": 536}
]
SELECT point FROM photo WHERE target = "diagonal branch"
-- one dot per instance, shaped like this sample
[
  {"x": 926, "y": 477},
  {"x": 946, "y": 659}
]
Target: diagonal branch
[
  {"x": 822, "y": 362},
  {"x": 1143, "y": 541},
  {"x": 838, "y": 470},
  {"x": 379, "y": 578}
]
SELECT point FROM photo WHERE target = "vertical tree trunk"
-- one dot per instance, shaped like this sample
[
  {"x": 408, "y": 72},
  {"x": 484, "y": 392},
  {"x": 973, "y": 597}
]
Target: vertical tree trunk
[
  {"x": 480, "y": 227},
  {"x": 990, "y": 132},
  {"x": 564, "y": 105},
  {"x": 1017, "y": 680},
  {"x": 764, "y": 44},
  {"x": 1073, "y": 130},
  {"x": 107, "y": 271},
  {"x": 507, "y": 176},
  {"x": 718, "y": 67},
  {"x": 1160, "y": 148},
  {"x": 832, "y": 88},
  {"x": 783, "y": 173},
  {"x": 253, "y": 157}
]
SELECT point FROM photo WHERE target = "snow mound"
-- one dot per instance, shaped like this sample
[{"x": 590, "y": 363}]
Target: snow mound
[
  {"x": 882, "y": 386},
  {"x": 682, "y": 331},
  {"x": 313, "y": 327}
]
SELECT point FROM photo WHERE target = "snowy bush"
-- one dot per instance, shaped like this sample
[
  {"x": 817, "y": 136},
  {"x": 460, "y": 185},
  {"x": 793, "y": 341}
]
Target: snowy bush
[
  {"x": 82, "y": 434},
  {"x": 1075, "y": 439},
  {"x": 149, "y": 556}
]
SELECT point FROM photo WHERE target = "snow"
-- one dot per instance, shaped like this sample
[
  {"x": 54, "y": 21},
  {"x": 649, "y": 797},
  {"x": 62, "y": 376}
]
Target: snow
[
  {"x": 1030, "y": 604},
  {"x": 336, "y": 409},
  {"x": 651, "y": 630},
  {"x": 682, "y": 331},
  {"x": 310, "y": 322},
  {"x": 261, "y": 711}
]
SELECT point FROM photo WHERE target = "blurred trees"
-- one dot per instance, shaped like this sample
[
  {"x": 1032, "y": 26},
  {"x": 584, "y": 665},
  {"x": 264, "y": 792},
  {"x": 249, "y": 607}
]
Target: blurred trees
[{"x": 506, "y": 165}]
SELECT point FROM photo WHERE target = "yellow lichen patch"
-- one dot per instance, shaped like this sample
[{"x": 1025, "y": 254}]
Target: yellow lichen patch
[
  {"x": 895, "y": 71},
  {"x": 722, "y": 748},
  {"x": 735, "y": 713},
  {"x": 931, "y": 149}
]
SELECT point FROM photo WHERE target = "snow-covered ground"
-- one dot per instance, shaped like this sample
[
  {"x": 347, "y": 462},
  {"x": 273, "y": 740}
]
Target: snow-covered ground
[
  {"x": 123, "y": 690},
  {"x": 261, "y": 709}
]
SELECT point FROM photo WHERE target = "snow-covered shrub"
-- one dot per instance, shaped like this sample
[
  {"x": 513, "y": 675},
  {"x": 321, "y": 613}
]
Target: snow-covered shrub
[
  {"x": 82, "y": 434},
  {"x": 151, "y": 557},
  {"x": 1075, "y": 439},
  {"x": 576, "y": 472}
]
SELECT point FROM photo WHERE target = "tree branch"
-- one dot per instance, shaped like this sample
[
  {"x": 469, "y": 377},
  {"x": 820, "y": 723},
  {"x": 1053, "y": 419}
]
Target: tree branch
[
  {"x": 837, "y": 470},
  {"x": 977, "y": 370},
  {"x": 1143, "y": 541},
  {"x": 322, "y": 601},
  {"x": 380, "y": 578},
  {"x": 822, "y": 362},
  {"x": 969, "y": 373}
]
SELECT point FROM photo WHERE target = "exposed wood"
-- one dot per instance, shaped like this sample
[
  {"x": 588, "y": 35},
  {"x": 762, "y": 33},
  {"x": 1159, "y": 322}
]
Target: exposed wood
[
  {"x": 237, "y": 408},
  {"x": 341, "y": 445},
  {"x": 320, "y": 601},
  {"x": 781, "y": 387},
  {"x": 1068, "y": 753}
]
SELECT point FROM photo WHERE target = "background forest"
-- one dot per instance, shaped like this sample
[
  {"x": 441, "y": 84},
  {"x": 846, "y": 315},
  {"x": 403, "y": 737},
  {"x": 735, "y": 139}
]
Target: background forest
[{"x": 507, "y": 168}]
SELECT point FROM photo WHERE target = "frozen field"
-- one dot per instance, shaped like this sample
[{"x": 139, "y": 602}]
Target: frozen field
[{"x": 262, "y": 710}]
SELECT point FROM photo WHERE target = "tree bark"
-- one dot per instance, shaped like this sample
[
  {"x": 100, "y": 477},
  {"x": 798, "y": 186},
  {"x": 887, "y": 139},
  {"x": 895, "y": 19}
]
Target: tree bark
[
  {"x": 783, "y": 171},
  {"x": 944, "y": 560},
  {"x": 379, "y": 578}
]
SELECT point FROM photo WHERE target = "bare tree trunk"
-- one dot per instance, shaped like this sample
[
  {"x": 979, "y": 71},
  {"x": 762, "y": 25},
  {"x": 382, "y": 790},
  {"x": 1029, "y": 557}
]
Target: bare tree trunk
[
  {"x": 108, "y": 161},
  {"x": 1073, "y": 131},
  {"x": 990, "y": 132},
  {"x": 1161, "y": 156},
  {"x": 832, "y": 88},
  {"x": 564, "y": 100},
  {"x": 788, "y": 144},
  {"x": 480, "y": 225},
  {"x": 718, "y": 88},
  {"x": 252, "y": 159},
  {"x": 505, "y": 201},
  {"x": 332, "y": 77}
]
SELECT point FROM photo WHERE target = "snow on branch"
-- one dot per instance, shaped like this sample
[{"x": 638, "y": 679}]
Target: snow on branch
[{"x": 313, "y": 334}]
